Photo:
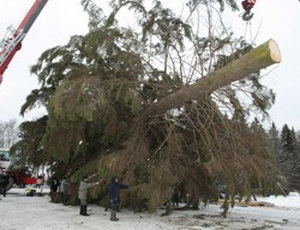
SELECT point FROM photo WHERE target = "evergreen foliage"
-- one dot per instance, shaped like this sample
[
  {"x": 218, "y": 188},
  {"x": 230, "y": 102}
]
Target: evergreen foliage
[
  {"x": 97, "y": 88},
  {"x": 289, "y": 158}
]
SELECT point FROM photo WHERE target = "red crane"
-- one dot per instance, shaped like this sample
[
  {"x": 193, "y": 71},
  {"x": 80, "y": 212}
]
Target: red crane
[
  {"x": 12, "y": 41},
  {"x": 247, "y": 6}
]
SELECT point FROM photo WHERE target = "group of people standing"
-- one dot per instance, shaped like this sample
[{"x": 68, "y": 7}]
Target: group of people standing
[
  {"x": 113, "y": 195},
  {"x": 113, "y": 191}
]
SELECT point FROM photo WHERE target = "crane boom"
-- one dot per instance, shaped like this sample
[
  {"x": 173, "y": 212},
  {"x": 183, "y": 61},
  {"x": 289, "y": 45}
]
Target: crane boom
[{"x": 12, "y": 41}]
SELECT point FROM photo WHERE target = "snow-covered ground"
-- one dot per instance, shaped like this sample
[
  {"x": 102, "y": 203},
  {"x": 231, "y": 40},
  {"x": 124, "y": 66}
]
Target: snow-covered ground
[{"x": 20, "y": 212}]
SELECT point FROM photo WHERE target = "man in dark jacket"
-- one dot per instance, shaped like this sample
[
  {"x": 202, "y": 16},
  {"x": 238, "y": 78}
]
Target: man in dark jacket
[
  {"x": 1, "y": 182},
  {"x": 54, "y": 184},
  {"x": 114, "y": 196},
  {"x": 4, "y": 181}
]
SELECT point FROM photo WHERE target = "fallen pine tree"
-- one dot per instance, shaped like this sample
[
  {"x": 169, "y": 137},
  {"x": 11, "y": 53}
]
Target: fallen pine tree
[{"x": 161, "y": 108}]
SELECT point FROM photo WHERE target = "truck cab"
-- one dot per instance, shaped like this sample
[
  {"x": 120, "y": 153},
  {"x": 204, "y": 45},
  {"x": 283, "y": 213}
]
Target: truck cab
[
  {"x": 5, "y": 159},
  {"x": 18, "y": 173}
]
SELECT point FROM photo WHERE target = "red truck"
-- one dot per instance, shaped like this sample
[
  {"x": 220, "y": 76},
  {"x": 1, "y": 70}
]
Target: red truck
[{"x": 18, "y": 173}]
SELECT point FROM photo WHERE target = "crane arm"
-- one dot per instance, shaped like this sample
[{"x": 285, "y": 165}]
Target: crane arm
[{"x": 12, "y": 42}]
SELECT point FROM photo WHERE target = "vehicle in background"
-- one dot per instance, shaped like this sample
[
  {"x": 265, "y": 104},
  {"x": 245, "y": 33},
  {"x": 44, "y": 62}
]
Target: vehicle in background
[
  {"x": 4, "y": 159},
  {"x": 12, "y": 41},
  {"x": 19, "y": 173}
]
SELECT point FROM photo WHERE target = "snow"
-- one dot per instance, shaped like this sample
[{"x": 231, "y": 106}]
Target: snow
[{"x": 18, "y": 211}]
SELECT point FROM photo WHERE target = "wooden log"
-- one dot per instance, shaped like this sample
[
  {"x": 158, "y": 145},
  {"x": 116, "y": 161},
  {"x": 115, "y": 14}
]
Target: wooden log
[
  {"x": 258, "y": 58},
  {"x": 249, "y": 203}
]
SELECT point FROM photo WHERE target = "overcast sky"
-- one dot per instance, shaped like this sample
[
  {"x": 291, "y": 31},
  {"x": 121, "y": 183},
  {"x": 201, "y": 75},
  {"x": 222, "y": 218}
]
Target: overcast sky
[{"x": 60, "y": 19}]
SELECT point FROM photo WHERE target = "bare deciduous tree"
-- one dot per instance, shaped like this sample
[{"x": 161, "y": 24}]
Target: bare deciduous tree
[{"x": 8, "y": 133}]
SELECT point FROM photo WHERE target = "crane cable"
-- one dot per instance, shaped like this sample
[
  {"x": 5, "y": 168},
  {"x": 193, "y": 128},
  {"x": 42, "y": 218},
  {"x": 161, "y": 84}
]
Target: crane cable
[
  {"x": 248, "y": 28},
  {"x": 247, "y": 16}
]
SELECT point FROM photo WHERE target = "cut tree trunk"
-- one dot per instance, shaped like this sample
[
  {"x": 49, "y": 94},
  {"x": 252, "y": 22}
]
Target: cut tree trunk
[{"x": 258, "y": 58}]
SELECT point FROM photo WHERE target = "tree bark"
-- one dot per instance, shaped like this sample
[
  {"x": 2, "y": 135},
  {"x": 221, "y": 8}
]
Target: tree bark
[{"x": 259, "y": 58}]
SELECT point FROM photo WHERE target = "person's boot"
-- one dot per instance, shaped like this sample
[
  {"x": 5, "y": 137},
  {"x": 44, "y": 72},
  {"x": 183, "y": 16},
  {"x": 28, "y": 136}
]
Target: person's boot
[
  {"x": 85, "y": 211},
  {"x": 113, "y": 216},
  {"x": 81, "y": 210}
]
